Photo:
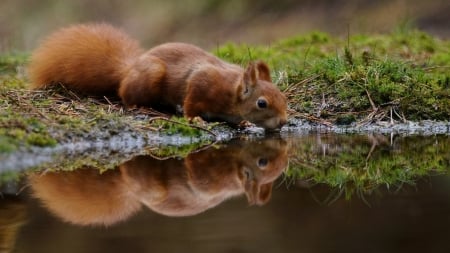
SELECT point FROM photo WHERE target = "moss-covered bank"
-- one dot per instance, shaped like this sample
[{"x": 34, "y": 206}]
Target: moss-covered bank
[
  {"x": 361, "y": 77},
  {"x": 400, "y": 76}
]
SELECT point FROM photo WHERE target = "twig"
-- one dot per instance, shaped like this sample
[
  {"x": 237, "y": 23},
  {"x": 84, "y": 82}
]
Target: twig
[
  {"x": 192, "y": 152},
  {"x": 435, "y": 67},
  {"x": 184, "y": 124},
  {"x": 150, "y": 111},
  {"x": 374, "y": 115},
  {"x": 323, "y": 105},
  {"x": 73, "y": 94},
  {"x": 401, "y": 117},
  {"x": 34, "y": 109},
  {"x": 306, "y": 80},
  {"x": 392, "y": 119},
  {"x": 371, "y": 101},
  {"x": 161, "y": 158},
  {"x": 372, "y": 148},
  {"x": 314, "y": 119},
  {"x": 107, "y": 100}
]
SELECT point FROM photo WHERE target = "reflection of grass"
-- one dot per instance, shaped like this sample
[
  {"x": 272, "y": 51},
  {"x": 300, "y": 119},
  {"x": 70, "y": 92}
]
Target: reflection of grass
[{"x": 359, "y": 165}]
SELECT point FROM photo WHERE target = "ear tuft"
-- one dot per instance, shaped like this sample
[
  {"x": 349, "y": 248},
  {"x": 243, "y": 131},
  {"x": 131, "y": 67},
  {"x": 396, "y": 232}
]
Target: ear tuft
[
  {"x": 241, "y": 91},
  {"x": 251, "y": 74}
]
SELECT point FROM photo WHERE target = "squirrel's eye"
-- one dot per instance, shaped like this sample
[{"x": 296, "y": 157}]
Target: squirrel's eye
[
  {"x": 262, "y": 162},
  {"x": 261, "y": 103}
]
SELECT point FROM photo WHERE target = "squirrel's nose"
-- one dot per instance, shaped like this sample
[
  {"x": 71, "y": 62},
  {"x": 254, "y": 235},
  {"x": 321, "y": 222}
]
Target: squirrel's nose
[{"x": 282, "y": 122}]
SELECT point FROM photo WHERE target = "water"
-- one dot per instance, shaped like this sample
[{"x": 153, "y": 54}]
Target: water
[{"x": 307, "y": 193}]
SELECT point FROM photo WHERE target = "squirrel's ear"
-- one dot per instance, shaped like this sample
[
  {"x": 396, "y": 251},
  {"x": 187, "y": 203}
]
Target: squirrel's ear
[
  {"x": 250, "y": 80},
  {"x": 258, "y": 194},
  {"x": 263, "y": 71},
  {"x": 265, "y": 192},
  {"x": 243, "y": 90},
  {"x": 257, "y": 71},
  {"x": 251, "y": 74}
]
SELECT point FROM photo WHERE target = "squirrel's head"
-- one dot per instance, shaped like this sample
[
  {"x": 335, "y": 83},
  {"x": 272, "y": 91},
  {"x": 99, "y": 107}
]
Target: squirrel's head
[
  {"x": 251, "y": 168},
  {"x": 260, "y": 100}
]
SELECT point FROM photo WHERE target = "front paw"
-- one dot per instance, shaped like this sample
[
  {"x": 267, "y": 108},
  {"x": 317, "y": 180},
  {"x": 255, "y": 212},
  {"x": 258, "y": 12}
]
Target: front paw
[
  {"x": 245, "y": 124},
  {"x": 179, "y": 110},
  {"x": 197, "y": 121}
]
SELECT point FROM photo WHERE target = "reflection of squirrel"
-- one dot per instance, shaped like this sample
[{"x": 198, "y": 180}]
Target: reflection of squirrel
[
  {"x": 172, "y": 187},
  {"x": 98, "y": 59},
  {"x": 207, "y": 178},
  {"x": 13, "y": 215}
]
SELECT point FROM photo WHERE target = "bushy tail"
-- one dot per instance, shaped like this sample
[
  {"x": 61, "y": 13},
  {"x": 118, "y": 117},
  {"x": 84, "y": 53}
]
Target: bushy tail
[{"x": 88, "y": 58}]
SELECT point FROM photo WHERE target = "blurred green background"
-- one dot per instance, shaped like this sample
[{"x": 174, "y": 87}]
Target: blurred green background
[{"x": 208, "y": 23}]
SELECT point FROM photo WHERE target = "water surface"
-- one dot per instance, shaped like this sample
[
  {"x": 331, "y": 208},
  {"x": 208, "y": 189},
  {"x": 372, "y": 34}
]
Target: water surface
[{"x": 307, "y": 193}]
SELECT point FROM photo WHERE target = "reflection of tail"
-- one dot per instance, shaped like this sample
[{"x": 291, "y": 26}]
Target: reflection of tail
[
  {"x": 84, "y": 196},
  {"x": 12, "y": 218}
]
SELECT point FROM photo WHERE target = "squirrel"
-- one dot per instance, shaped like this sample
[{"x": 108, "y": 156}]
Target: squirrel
[{"x": 101, "y": 60}]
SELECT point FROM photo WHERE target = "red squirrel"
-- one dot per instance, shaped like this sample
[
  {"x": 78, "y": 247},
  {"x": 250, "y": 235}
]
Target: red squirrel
[{"x": 98, "y": 59}]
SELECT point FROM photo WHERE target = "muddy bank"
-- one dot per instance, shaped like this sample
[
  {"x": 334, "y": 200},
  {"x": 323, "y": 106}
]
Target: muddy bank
[
  {"x": 109, "y": 148},
  {"x": 100, "y": 147},
  {"x": 425, "y": 127}
]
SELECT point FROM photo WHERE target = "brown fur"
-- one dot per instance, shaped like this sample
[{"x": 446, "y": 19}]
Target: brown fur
[
  {"x": 84, "y": 196},
  {"x": 207, "y": 178},
  {"x": 172, "y": 187},
  {"x": 98, "y": 59}
]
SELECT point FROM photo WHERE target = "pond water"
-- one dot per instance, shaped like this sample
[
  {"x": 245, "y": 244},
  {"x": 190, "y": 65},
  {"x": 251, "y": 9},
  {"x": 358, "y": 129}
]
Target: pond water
[{"x": 306, "y": 193}]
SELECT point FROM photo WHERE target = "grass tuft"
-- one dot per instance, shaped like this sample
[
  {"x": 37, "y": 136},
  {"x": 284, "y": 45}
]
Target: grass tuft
[{"x": 361, "y": 77}]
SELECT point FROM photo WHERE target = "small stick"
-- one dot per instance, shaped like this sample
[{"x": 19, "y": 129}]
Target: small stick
[
  {"x": 314, "y": 119},
  {"x": 392, "y": 119},
  {"x": 107, "y": 100},
  {"x": 183, "y": 124},
  {"x": 34, "y": 109},
  {"x": 306, "y": 80},
  {"x": 371, "y": 101}
]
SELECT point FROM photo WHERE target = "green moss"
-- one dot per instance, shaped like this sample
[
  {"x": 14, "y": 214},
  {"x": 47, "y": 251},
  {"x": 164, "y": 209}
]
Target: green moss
[
  {"x": 9, "y": 176},
  {"x": 181, "y": 126},
  {"x": 407, "y": 70},
  {"x": 46, "y": 118},
  {"x": 7, "y": 144},
  {"x": 168, "y": 151},
  {"x": 11, "y": 61},
  {"x": 40, "y": 140},
  {"x": 17, "y": 130},
  {"x": 175, "y": 126}
]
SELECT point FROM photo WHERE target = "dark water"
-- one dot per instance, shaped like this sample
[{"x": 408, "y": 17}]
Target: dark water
[{"x": 313, "y": 193}]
